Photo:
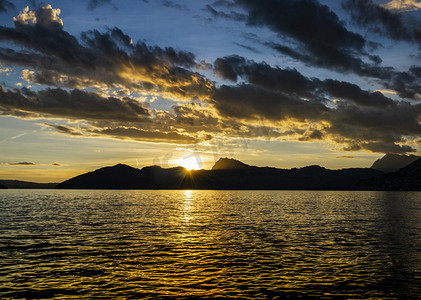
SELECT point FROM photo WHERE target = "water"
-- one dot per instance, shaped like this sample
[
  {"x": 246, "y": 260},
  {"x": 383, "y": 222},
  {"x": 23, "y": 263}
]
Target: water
[{"x": 210, "y": 244}]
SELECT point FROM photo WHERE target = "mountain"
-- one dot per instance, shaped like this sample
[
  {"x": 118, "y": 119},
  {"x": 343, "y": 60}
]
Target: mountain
[
  {"x": 229, "y": 163},
  {"x": 18, "y": 184},
  {"x": 405, "y": 179},
  {"x": 393, "y": 162},
  {"x": 125, "y": 177},
  {"x": 116, "y": 177},
  {"x": 225, "y": 174},
  {"x": 3, "y": 186}
]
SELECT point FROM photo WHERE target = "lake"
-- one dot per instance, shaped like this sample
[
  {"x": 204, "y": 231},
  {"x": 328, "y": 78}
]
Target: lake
[{"x": 227, "y": 244}]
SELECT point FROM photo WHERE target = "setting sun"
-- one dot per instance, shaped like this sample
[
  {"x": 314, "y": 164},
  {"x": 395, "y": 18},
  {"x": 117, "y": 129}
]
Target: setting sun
[{"x": 190, "y": 163}]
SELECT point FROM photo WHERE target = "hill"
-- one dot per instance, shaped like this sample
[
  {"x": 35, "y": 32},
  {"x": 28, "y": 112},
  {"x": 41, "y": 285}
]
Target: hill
[
  {"x": 18, "y": 184},
  {"x": 226, "y": 174},
  {"x": 393, "y": 162},
  {"x": 3, "y": 186},
  {"x": 116, "y": 177}
]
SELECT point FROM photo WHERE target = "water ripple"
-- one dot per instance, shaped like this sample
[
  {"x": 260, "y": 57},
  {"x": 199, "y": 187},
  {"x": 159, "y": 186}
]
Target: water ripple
[{"x": 209, "y": 244}]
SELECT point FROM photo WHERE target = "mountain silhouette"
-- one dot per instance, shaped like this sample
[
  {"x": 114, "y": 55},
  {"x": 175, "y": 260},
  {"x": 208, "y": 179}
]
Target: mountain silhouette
[
  {"x": 405, "y": 179},
  {"x": 229, "y": 163},
  {"x": 393, "y": 162},
  {"x": 18, "y": 184},
  {"x": 116, "y": 177},
  {"x": 3, "y": 186},
  {"x": 225, "y": 174}
]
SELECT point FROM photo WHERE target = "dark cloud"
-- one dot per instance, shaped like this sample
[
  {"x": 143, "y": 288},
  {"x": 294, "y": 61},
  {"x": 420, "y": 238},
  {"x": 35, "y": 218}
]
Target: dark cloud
[
  {"x": 317, "y": 37},
  {"x": 335, "y": 60},
  {"x": 95, "y": 3},
  {"x": 261, "y": 74},
  {"x": 56, "y": 164},
  {"x": 381, "y": 20},
  {"x": 143, "y": 135},
  {"x": 290, "y": 81},
  {"x": 246, "y": 101},
  {"x": 352, "y": 92},
  {"x": 373, "y": 128},
  {"x": 406, "y": 84},
  {"x": 22, "y": 163},
  {"x": 5, "y": 5},
  {"x": 74, "y": 105},
  {"x": 231, "y": 15},
  {"x": 172, "y": 4},
  {"x": 345, "y": 114},
  {"x": 224, "y": 3},
  {"x": 63, "y": 129},
  {"x": 317, "y": 30},
  {"x": 252, "y": 49}
]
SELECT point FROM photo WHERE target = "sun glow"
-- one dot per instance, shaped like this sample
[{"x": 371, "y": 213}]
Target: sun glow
[{"x": 190, "y": 163}]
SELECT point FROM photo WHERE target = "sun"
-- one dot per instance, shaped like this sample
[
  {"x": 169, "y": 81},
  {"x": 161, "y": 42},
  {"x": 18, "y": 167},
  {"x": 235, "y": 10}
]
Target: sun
[{"x": 190, "y": 163}]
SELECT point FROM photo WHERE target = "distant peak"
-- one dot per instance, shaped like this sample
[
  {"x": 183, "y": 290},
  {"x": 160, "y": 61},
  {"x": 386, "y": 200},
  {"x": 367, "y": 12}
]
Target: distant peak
[
  {"x": 225, "y": 163},
  {"x": 392, "y": 162}
]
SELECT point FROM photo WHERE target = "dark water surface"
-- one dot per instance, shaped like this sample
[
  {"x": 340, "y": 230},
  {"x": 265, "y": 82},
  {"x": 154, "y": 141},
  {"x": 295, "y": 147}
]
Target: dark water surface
[{"x": 210, "y": 244}]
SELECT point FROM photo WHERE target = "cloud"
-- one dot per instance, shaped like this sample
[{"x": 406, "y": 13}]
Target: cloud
[
  {"x": 261, "y": 74},
  {"x": 374, "y": 129},
  {"x": 246, "y": 101},
  {"x": 186, "y": 124},
  {"x": 352, "y": 92},
  {"x": 380, "y": 19},
  {"x": 63, "y": 129},
  {"x": 108, "y": 60},
  {"x": 336, "y": 111},
  {"x": 95, "y": 3},
  {"x": 143, "y": 135},
  {"x": 5, "y": 5},
  {"x": 346, "y": 157},
  {"x": 290, "y": 81},
  {"x": 252, "y": 49},
  {"x": 402, "y": 5},
  {"x": 172, "y": 4},
  {"x": 45, "y": 16},
  {"x": 56, "y": 164},
  {"x": 22, "y": 163},
  {"x": 315, "y": 29},
  {"x": 221, "y": 14},
  {"x": 75, "y": 104},
  {"x": 313, "y": 34},
  {"x": 5, "y": 70},
  {"x": 255, "y": 100}
]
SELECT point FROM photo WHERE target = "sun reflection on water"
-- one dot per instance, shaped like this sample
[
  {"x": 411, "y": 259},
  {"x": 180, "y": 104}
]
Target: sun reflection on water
[{"x": 187, "y": 205}]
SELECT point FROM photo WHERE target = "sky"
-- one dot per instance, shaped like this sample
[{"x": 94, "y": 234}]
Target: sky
[{"x": 283, "y": 83}]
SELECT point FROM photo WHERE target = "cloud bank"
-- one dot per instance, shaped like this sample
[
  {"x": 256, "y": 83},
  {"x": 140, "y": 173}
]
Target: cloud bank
[{"x": 85, "y": 81}]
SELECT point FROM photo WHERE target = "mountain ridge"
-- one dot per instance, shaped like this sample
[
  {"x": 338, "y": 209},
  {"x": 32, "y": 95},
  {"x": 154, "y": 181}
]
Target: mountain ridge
[{"x": 227, "y": 173}]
